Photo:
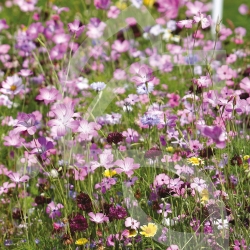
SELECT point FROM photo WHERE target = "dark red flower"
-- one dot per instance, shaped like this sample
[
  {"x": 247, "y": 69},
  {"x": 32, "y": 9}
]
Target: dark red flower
[
  {"x": 114, "y": 137},
  {"x": 153, "y": 153},
  {"x": 77, "y": 223},
  {"x": 84, "y": 202}
]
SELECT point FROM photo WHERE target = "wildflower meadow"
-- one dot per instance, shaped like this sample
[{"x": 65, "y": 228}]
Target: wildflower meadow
[{"x": 125, "y": 124}]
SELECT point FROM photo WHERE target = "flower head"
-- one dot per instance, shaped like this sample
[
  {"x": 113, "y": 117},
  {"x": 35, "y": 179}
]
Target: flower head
[
  {"x": 81, "y": 241},
  {"x": 149, "y": 230}
]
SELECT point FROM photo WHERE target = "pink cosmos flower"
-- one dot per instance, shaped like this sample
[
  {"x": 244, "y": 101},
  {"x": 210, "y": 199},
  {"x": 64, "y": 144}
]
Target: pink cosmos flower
[
  {"x": 185, "y": 23},
  {"x": 102, "y": 4},
  {"x": 130, "y": 222},
  {"x": 98, "y": 218},
  {"x": 120, "y": 47},
  {"x": 26, "y": 122},
  {"x": 243, "y": 9},
  {"x": 49, "y": 95},
  {"x": 5, "y": 187},
  {"x": 127, "y": 166},
  {"x": 161, "y": 179},
  {"x": 88, "y": 130},
  {"x": 53, "y": 210},
  {"x": 198, "y": 184},
  {"x": 226, "y": 73},
  {"x": 204, "y": 20},
  {"x": 15, "y": 177},
  {"x": 12, "y": 86},
  {"x": 75, "y": 28},
  {"x": 64, "y": 119},
  {"x": 13, "y": 139}
]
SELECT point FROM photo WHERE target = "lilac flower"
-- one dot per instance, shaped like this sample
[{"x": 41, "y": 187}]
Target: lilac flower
[
  {"x": 127, "y": 166},
  {"x": 15, "y": 177},
  {"x": 145, "y": 88},
  {"x": 131, "y": 181},
  {"x": 26, "y": 6},
  {"x": 75, "y": 28},
  {"x": 53, "y": 210},
  {"x": 98, "y": 86},
  {"x": 144, "y": 73},
  {"x": 49, "y": 95},
  {"x": 98, "y": 218},
  {"x": 13, "y": 139},
  {"x": 205, "y": 21},
  {"x": 88, "y": 130},
  {"x": 94, "y": 151},
  {"x": 185, "y": 23},
  {"x": 5, "y": 187},
  {"x": 95, "y": 28},
  {"x": 64, "y": 119},
  {"x": 26, "y": 122},
  {"x": 113, "y": 118},
  {"x": 12, "y": 86},
  {"x": 105, "y": 184},
  {"x": 43, "y": 147},
  {"x": 165, "y": 209},
  {"x": 198, "y": 184},
  {"x": 120, "y": 47},
  {"x": 150, "y": 119},
  {"x": 131, "y": 135}
]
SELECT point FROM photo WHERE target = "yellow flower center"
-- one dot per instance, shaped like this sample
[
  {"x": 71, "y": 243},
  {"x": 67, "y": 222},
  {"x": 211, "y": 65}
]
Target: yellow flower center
[
  {"x": 13, "y": 88},
  {"x": 195, "y": 161},
  {"x": 81, "y": 241},
  {"x": 149, "y": 3},
  {"x": 109, "y": 173}
]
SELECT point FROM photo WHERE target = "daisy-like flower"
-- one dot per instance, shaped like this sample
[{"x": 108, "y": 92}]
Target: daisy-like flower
[
  {"x": 49, "y": 95},
  {"x": 204, "y": 196},
  {"x": 81, "y": 241},
  {"x": 15, "y": 177},
  {"x": 195, "y": 161},
  {"x": 98, "y": 86},
  {"x": 12, "y": 86},
  {"x": 98, "y": 218},
  {"x": 109, "y": 173},
  {"x": 198, "y": 184},
  {"x": 149, "y": 230}
]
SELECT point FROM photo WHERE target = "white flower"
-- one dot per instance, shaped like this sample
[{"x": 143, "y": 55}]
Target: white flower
[
  {"x": 221, "y": 224},
  {"x": 54, "y": 173}
]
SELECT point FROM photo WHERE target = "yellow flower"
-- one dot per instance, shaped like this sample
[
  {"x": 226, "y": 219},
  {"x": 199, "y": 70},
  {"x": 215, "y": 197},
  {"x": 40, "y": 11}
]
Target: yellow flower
[
  {"x": 170, "y": 149},
  {"x": 81, "y": 241},
  {"x": 109, "y": 173},
  {"x": 246, "y": 157},
  {"x": 132, "y": 233},
  {"x": 149, "y": 230},
  {"x": 121, "y": 5},
  {"x": 204, "y": 195},
  {"x": 195, "y": 161},
  {"x": 149, "y": 3}
]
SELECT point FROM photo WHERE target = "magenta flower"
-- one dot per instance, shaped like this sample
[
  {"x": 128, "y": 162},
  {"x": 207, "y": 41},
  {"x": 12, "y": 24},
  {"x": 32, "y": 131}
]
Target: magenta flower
[
  {"x": 226, "y": 73},
  {"x": 13, "y": 139},
  {"x": 75, "y": 28},
  {"x": 64, "y": 119},
  {"x": 161, "y": 179},
  {"x": 15, "y": 177},
  {"x": 102, "y": 4},
  {"x": 105, "y": 184},
  {"x": 113, "y": 12},
  {"x": 53, "y": 210},
  {"x": 49, "y": 95},
  {"x": 95, "y": 28},
  {"x": 127, "y": 166},
  {"x": 3, "y": 24},
  {"x": 165, "y": 209},
  {"x": 131, "y": 135},
  {"x": 88, "y": 130},
  {"x": 98, "y": 218},
  {"x": 245, "y": 84},
  {"x": 144, "y": 73},
  {"x": 12, "y": 86},
  {"x": 196, "y": 8},
  {"x": 205, "y": 21},
  {"x": 43, "y": 147},
  {"x": 130, "y": 222},
  {"x": 25, "y": 72},
  {"x": 185, "y": 23},
  {"x": 243, "y": 9},
  {"x": 26, "y": 122},
  {"x": 5, "y": 187},
  {"x": 169, "y": 7},
  {"x": 120, "y": 47}
]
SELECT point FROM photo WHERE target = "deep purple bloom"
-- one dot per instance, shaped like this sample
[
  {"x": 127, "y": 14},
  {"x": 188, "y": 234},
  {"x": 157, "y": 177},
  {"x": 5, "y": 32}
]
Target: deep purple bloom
[
  {"x": 117, "y": 212},
  {"x": 77, "y": 223},
  {"x": 54, "y": 210}
]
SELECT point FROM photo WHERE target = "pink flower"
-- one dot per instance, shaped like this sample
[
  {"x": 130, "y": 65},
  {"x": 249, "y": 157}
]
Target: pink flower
[
  {"x": 15, "y": 177},
  {"x": 49, "y": 95},
  {"x": 106, "y": 160},
  {"x": 5, "y": 187},
  {"x": 13, "y": 139},
  {"x": 113, "y": 12},
  {"x": 198, "y": 184},
  {"x": 75, "y": 28},
  {"x": 12, "y": 86},
  {"x": 127, "y": 166},
  {"x": 102, "y": 4},
  {"x": 120, "y": 47},
  {"x": 95, "y": 28},
  {"x": 26, "y": 6},
  {"x": 98, "y": 218},
  {"x": 131, "y": 135},
  {"x": 130, "y": 222},
  {"x": 80, "y": 174},
  {"x": 185, "y": 23},
  {"x": 161, "y": 179},
  {"x": 64, "y": 119},
  {"x": 88, "y": 130},
  {"x": 205, "y": 21},
  {"x": 169, "y": 7},
  {"x": 243, "y": 9},
  {"x": 173, "y": 247},
  {"x": 196, "y": 7},
  {"x": 143, "y": 72},
  {"x": 25, "y": 72},
  {"x": 53, "y": 210},
  {"x": 26, "y": 122},
  {"x": 3, "y": 24},
  {"x": 245, "y": 84},
  {"x": 203, "y": 81},
  {"x": 226, "y": 73}
]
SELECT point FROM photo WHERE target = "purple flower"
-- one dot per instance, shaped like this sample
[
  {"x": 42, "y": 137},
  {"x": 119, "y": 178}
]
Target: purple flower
[
  {"x": 127, "y": 166},
  {"x": 131, "y": 135},
  {"x": 102, "y": 4},
  {"x": 165, "y": 209},
  {"x": 98, "y": 86},
  {"x": 49, "y": 95},
  {"x": 5, "y": 187},
  {"x": 170, "y": 8},
  {"x": 243, "y": 9},
  {"x": 143, "y": 72},
  {"x": 198, "y": 184},
  {"x": 150, "y": 119},
  {"x": 44, "y": 148},
  {"x": 117, "y": 212},
  {"x": 205, "y": 21},
  {"x": 105, "y": 184},
  {"x": 75, "y": 28},
  {"x": 77, "y": 223},
  {"x": 88, "y": 130},
  {"x": 95, "y": 28},
  {"x": 64, "y": 119},
  {"x": 15, "y": 177},
  {"x": 120, "y": 47},
  {"x": 3, "y": 24},
  {"x": 53, "y": 210},
  {"x": 13, "y": 139},
  {"x": 131, "y": 181}
]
